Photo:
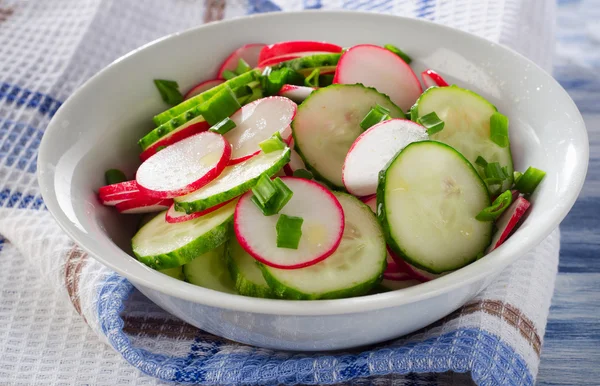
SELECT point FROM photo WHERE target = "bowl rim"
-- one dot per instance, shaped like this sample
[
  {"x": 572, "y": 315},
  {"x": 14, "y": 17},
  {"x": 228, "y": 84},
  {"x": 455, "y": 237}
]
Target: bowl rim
[{"x": 494, "y": 262}]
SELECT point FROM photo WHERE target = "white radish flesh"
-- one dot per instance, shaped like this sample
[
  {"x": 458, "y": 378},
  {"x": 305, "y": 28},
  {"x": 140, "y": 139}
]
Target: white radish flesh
[
  {"x": 257, "y": 122},
  {"x": 372, "y": 151},
  {"x": 143, "y": 205},
  {"x": 185, "y": 166},
  {"x": 296, "y": 93},
  {"x": 507, "y": 222},
  {"x": 249, "y": 53},
  {"x": 201, "y": 87},
  {"x": 374, "y": 66},
  {"x": 322, "y": 228}
]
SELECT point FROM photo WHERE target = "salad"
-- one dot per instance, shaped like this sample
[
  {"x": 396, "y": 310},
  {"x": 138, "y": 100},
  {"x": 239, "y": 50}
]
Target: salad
[{"x": 308, "y": 171}]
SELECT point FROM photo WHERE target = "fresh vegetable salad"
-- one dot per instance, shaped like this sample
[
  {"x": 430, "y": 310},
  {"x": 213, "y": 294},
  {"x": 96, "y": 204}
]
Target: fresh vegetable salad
[{"x": 309, "y": 171}]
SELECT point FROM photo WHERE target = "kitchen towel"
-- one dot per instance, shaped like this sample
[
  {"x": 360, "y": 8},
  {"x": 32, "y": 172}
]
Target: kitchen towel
[{"x": 47, "y": 50}]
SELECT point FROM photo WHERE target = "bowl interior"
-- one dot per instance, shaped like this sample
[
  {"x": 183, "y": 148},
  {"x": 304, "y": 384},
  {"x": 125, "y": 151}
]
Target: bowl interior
[{"x": 98, "y": 128}]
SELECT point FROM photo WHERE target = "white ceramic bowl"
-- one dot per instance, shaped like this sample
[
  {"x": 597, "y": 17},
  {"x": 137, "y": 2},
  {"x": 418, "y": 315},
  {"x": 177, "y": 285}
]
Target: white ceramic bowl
[{"x": 98, "y": 127}]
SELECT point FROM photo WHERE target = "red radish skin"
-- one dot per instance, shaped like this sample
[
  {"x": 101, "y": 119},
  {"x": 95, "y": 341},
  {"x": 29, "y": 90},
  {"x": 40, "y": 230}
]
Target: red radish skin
[
  {"x": 322, "y": 228},
  {"x": 256, "y": 122},
  {"x": 291, "y": 47},
  {"x": 431, "y": 78},
  {"x": 507, "y": 222},
  {"x": 201, "y": 87},
  {"x": 143, "y": 205},
  {"x": 172, "y": 216},
  {"x": 372, "y": 151},
  {"x": 185, "y": 166},
  {"x": 250, "y": 54},
  {"x": 374, "y": 66},
  {"x": 296, "y": 93},
  {"x": 110, "y": 195},
  {"x": 174, "y": 137},
  {"x": 394, "y": 271}
]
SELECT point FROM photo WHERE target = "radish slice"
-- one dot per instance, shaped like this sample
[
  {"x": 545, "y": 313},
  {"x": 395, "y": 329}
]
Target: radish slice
[
  {"x": 111, "y": 195},
  {"x": 374, "y": 66},
  {"x": 284, "y": 58},
  {"x": 322, "y": 228},
  {"x": 195, "y": 126},
  {"x": 291, "y": 47},
  {"x": 185, "y": 166},
  {"x": 295, "y": 163},
  {"x": 507, "y": 222},
  {"x": 201, "y": 87},
  {"x": 432, "y": 78},
  {"x": 394, "y": 271},
  {"x": 250, "y": 54},
  {"x": 257, "y": 122},
  {"x": 173, "y": 216},
  {"x": 143, "y": 205},
  {"x": 296, "y": 93},
  {"x": 373, "y": 149}
]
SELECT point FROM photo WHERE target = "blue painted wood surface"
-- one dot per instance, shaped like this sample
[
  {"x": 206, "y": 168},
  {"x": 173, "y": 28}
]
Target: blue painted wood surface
[{"x": 571, "y": 352}]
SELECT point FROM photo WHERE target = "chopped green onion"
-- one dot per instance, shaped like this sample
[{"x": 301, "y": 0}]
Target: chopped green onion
[
  {"x": 242, "y": 91},
  {"x": 432, "y": 122},
  {"x": 223, "y": 127},
  {"x": 312, "y": 80},
  {"x": 530, "y": 180},
  {"x": 160, "y": 148},
  {"x": 499, "y": 129},
  {"x": 242, "y": 67},
  {"x": 303, "y": 173},
  {"x": 273, "y": 80},
  {"x": 227, "y": 74},
  {"x": 263, "y": 191},
  {"x": 413, "y": 113},
  {"x": 493, "y": 170},
  {"x": 398, "y": 52},
  {"x": 500, "y": 204},
  {"x": 114, "y": 176},
  {"x": 272, "y": 144},
  {"x": 374, "y": 116},
  {"x": 481, "y": 161},
  {"x": 270, "y": 196},
  {"x": 289, "y": 231},
  {"x": 493, "y": 181},
  {"x": 169, "y": 91},
  {"x": 325, "y": 80},
  {"x": 220, "y": 106},
  {"x": 516, "y": 176}
]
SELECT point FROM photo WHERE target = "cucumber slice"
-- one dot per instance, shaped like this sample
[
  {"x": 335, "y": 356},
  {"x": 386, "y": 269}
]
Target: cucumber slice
[
  {"x": 427, "y": 200},
  {"x": 209, "y": 270},
  {"x": 161, "y": 245},
  {"x": 247, "y": 277},
  {"x": 186, "y": 105},
  {"x": 327, "y": 124},
  {"x": 233, "y": 181},
  {"x": 175, "y": 273},
  {"x": 466, "y": 117},
  {"x": 352, "y": 270},
  {"x": 188, "y": 122}
]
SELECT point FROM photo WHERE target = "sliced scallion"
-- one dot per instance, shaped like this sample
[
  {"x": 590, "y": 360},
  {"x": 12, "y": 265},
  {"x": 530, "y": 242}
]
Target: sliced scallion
[
  {"x": 263, "y": 191},
  {"x": 432, "y": 123},
  {"x": 223, "y": 127},
  {"x": 169, "y": 91},
  {"x": 272, "y": 144},
  {"x": 312, "y": 80},
  {"x": 500, "y": 204},
  {"x": 530, "y": 180},
  {"x": 242, "y": 67},
  {"x": 289, "y": 231},
  {"x": 303, "y": 173},
  {"x": 374, "y": 116},
  {"x": 227, "y": 74},
  {"x": 499, "y": 129},
  {"x": 481, "y": 161},
  {"x": 270, "y": 196},
  {"x": 220, "y": 106},
  {"x": 114, "y": 176}
]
